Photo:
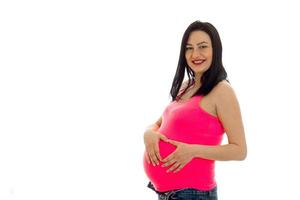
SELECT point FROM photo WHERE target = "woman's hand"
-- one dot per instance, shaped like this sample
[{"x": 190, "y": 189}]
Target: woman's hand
[
  {"x": 183, "y": 154},
  {"x": 151, "y": 139}
]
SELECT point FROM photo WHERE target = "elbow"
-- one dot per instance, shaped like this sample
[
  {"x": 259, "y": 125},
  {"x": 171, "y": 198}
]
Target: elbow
[
  {"x": 242, "y": 157},
  {"x": 242, "y": 154}
]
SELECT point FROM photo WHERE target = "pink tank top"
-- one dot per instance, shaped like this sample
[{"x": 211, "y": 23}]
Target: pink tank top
[{"x": 189, "y": 123}]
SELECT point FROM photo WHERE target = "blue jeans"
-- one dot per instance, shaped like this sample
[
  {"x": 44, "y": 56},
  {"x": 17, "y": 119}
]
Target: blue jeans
[{"x": 186, "y": 194}]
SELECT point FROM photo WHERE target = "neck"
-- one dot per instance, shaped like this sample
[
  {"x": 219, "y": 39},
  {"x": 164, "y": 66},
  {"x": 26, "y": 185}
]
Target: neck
[{"x": 198, "y": 80}]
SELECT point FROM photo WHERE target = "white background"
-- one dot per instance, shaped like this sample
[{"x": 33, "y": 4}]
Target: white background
[{"x": 81, "y": 80}]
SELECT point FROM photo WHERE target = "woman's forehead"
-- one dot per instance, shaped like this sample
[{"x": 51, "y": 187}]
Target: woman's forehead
[{"x": 198, "y": 36}]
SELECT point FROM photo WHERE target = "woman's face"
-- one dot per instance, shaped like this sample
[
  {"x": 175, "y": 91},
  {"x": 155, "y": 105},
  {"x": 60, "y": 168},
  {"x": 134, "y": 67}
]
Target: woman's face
[{"x": 199, "y": 51}]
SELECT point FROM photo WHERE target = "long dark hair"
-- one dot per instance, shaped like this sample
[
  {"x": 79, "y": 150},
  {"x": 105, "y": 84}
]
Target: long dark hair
[{"x": 210, "y": 77}]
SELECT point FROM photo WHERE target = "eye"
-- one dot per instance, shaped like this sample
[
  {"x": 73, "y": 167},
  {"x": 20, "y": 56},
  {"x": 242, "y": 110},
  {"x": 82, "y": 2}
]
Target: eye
[
  {"x": 202, "y": 47},
  {"x": 188, "y": 48}
]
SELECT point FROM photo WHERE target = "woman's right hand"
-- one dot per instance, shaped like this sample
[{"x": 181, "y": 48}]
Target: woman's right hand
[{"x": 151, "y": 139}]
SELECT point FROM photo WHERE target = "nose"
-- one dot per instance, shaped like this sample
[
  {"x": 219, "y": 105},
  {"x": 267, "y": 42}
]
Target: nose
[{"x": 196, "y": 53}]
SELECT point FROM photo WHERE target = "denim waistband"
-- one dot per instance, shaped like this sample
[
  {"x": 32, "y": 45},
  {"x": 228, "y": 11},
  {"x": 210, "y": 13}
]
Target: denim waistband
[
  {"x": 168, "y": 193},
  {"x": 163, "y": 195}
]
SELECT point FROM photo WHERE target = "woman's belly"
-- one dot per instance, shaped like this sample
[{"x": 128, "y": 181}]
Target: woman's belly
[{"x": 198, "y": 173}]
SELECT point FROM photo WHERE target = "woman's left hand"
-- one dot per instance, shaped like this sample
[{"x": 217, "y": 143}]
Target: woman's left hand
[{"x": 183, "y": 154}]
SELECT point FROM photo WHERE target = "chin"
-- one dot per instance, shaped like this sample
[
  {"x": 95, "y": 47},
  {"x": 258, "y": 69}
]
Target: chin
[{"x": 200, "y": 69}]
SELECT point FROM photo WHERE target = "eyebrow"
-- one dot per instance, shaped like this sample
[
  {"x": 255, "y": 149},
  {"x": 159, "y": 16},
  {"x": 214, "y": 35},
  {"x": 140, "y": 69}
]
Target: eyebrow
[{"x": 198, "y": 43}]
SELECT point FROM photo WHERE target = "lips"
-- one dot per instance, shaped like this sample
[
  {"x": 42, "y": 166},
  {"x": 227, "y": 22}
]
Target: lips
[{"x": 197, "y": 62}]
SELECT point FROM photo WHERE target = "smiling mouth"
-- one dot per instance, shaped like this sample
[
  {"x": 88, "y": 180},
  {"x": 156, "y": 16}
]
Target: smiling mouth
[{"x": 197, "y": 62}]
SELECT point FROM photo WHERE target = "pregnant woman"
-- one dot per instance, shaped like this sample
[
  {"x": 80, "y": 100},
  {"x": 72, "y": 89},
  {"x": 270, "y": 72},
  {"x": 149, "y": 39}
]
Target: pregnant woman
[{"x": 182, "y": 146}]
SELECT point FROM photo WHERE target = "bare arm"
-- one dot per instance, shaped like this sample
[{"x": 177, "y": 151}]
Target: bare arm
[{"x": 229, "y": 113}]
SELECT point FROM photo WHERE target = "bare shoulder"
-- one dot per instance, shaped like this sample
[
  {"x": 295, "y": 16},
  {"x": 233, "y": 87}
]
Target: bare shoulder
[
  {"x": 225, "y": 99},
  {"x": 223, "y": 89},
  {"x": 222, "y": 83}
]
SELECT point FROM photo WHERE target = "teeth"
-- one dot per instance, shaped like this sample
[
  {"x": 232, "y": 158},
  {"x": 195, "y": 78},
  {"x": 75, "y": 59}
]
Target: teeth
[{"x": 198, "y": 61}]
